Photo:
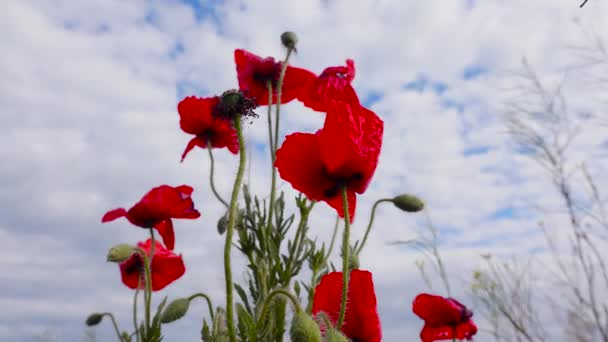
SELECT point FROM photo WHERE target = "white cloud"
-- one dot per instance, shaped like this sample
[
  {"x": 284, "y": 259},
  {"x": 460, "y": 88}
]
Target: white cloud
[{"x": 88, "y": 100}]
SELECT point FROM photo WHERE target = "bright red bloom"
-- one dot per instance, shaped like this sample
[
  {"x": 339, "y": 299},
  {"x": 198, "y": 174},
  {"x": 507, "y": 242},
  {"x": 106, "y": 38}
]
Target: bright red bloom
[
  {"x": 166, "y": 267},
  {"x": 196, "y": 117},
  {"x": 157, "y": 208},
  {"x": 361, "y": 321},
  {"x": 333, "y": 84},
  {"x": 344, "y": 153},
  {"x": 444, "y": 318},
  {"x": 254, "y": 72}
]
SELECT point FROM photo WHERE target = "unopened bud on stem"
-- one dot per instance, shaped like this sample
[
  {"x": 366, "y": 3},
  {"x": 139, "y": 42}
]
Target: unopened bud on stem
[
  {"x": 120, "y": 253},
  {"x": 94, "y": 319},
  {"x": 289, "y": 39},
  {"x": 175, "y": 310},
  {"x": 409, "y": 203},
  {"x": 304, "y": 328}
]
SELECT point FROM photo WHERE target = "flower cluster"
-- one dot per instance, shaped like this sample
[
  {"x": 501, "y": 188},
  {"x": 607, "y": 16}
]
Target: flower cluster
[{"x": 333, "y": 165}]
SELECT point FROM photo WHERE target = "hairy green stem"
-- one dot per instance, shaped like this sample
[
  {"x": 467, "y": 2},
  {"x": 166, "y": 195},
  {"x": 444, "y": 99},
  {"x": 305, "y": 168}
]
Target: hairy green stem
[
  {"x": 230, "y": 231},
  {"x": 371, "y": 222},
  {"x": 148, "y": 287},
  {"x": 274, "y": 145},
  {"x": 109, "y": 314},
  {"x": 268, "y": 301},
  {"x": 345, "y": 256},
  {"x": 135, "y": 311},
  {"x": 149, "y": 279},
  {"x": 209, "y": 303},
  {"x": 217, "y": 195}
]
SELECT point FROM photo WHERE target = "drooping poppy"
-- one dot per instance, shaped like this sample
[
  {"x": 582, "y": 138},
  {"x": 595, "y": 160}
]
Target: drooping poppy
[
  {"x": 165, "y": 268},
  {"x": 361, "y": 320},
  {"x": 254, "y": 73},
  {"x": 157, "y": 208},
  {"x": 344, "y": 153},
  {"x": 334, "y": 84},
  {"x": 444, "y": 318},
  {"x": 208, "y": 119}
]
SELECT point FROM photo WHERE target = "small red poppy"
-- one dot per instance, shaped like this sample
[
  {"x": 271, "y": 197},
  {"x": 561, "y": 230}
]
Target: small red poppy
[
  {"x": 344, "y": 153},
  {"x": 196, "y": 117},
  {"x": 157, "y": 208},
  {"x": 444, "y": 318},
  {"x": 361, "y": 321},
  {"x": 166, "y": 267},
  {"x": 254, "y": 72},
  {"x": 333, "y": 84}
]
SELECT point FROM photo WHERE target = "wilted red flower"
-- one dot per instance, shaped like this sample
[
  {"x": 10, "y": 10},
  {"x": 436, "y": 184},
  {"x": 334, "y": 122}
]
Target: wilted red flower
[
  {"x": 344, "y": 153},
  {"x": 361, "y": 321},
  {"x": 165, "y": 268},
  {"x": 157, "y": 208},
  {"x": 444, "y": 318},
  {"x": 254, "y": 72},
  {"x": 199, "y": 116},
  {"x": 333, "y": 84}
]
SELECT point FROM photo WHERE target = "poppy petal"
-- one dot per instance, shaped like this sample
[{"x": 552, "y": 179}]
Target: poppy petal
[
  {"x": 165, "y": 229},
  {"x": 196, "y": 141},
  {"x": 113, "y": 215}
]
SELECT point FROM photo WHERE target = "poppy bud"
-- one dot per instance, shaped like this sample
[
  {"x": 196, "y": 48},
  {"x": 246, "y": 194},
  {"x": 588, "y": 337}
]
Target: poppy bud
[
  {"x": 333, "y": 335},
  {"x": 94, "y": 319},
  {"x": 222, "y": 224},
  {"x": 304, "y": 328},
  {"x": 409, "y": 203},
  {"x": 120, "y": 252},
  {"x": 175, "y": 310},
  {"x": 289, "y": 39}
]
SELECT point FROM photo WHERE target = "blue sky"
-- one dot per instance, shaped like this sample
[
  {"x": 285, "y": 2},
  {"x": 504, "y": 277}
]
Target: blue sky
[{"x": 88, "y": 99}]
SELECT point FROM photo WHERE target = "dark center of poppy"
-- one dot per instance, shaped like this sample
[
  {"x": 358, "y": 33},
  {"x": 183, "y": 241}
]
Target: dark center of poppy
[
  {"x": 268, "y": 70},
  {"x": 233, "y": 103},
  {"x": 136, "y": 265},
  {"x": 341, "y": 182}
]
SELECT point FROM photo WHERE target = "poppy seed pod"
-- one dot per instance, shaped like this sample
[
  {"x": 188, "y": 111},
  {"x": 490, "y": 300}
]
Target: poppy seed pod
[
  {"x": 120, "y": 253},
  {"x": 94, "y": 319},
  {"x": 409, "y": 203},
  {"x": 289, "y": 39},
  {"x": 333, "y": 335},
  {"x": 175, "y": 310},
  {"x": 304, "y": 328}
]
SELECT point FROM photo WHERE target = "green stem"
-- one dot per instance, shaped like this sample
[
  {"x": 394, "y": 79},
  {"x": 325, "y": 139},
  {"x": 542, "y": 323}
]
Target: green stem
[
  {"x": 268, "y": 301},
  {"x": 149, "y": 278},
  {"x": 333, "y": 239},
  {"x": 230, "y": 231},
  {"x": 135, "y": 311},
  {"x": 279, "y": 93},
  {"x": 371, "y": 222},
  {"x": 109, "y": 314},
  {"x": 311, "y": 293},
  {"x": 209, "y": 304},
  {"x": 345, "y": 252},
  {"x": 274, "y": 146},
  {"x": 148, "y": 286},
  {"x": 211, "y": 175}
]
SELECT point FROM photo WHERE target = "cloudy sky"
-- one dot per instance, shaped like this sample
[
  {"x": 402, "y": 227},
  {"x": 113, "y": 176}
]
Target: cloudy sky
[{"x": 88, "y": 96}]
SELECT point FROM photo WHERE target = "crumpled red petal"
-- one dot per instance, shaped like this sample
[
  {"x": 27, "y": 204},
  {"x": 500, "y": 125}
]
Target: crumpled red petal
[
  {"x": 334, "y": 84},
  {"x": 113, "y": 215},
  {"x": 165, "y": 229}
]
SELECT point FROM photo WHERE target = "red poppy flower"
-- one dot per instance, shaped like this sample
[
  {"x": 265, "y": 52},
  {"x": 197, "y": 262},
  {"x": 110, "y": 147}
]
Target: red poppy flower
[
  {"x": 333, "y": 84},
  {"x": 254, "y": 72},
  {"x": 157, "y": 208},
  {"x": 166, "y": 267},
  {"x": 344, "y": 152},
  {"x": 196, "y": 117},
  {"x": 444, "y": 318},
  {"x": 361, "y": 321}
]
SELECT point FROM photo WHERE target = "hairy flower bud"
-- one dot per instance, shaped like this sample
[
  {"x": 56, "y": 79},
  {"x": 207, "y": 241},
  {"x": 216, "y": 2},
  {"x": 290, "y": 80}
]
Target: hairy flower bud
[
  {"x": 120, "y": 252},
  {"x": 304, "y": 328},
  {"x": 94, "y": 319},
  {"x": 222, "y": 224},
  {"x": 409, "y": 203},
  {"x": 175, "y": 310},
  {"x": 333, "y": 335},
  {"x": 289, "y": 39}
]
